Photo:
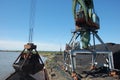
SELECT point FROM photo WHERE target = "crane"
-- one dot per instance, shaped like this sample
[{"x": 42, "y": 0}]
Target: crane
[
  {"x": 85, "y": 14},
  {"x": 29, "y": 61},
  {"x": 77, "y": 52}
]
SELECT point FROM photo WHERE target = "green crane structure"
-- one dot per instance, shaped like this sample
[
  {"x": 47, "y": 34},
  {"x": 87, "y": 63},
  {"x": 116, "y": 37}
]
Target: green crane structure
[
  {"x": 87, "y": 25},
  {"x": 85, "y": 18},
  {"x": 86, "y": 5}
]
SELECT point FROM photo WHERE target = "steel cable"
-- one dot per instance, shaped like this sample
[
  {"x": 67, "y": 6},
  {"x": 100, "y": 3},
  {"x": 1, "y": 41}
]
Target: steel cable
[{"x": 32, "y": 20}]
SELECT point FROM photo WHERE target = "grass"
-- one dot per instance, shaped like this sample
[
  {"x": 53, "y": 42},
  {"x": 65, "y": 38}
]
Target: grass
[{"x": 49, "y": 53}]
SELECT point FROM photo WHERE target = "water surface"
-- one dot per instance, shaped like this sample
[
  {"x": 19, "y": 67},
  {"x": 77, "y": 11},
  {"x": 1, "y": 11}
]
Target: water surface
[{"x": 6, "y": 61}]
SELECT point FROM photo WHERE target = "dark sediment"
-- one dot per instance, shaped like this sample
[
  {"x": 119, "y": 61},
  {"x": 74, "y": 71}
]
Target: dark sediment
[
  {"x": 54, "y": 65},
  {"x": 56, "y": 72},
  {"x": 115, "y": 48}
]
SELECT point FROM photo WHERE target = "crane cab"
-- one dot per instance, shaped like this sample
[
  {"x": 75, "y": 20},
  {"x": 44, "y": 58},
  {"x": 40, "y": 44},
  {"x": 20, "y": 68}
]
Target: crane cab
[{"x": 92, "y": 23}]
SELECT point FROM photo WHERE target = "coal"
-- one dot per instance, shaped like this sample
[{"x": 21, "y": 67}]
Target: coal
[
  {"x": 20, "y": 76},
  {"x": 115, "y": 48}
]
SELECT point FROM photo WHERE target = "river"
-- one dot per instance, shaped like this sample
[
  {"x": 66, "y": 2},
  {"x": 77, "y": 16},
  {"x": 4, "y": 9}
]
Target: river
[{"x": 6, "y": 61}]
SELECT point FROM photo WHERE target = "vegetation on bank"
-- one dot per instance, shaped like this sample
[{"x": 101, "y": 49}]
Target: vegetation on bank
[
  {"x": 10, "y": 50},
  {"x": 40, "y": 52},
  {"x": 49, "y": 53}
]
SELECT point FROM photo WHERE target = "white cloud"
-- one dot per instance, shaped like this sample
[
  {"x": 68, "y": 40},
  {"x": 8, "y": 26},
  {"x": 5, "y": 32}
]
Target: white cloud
[
  {"x": 49, "y": 46},
  {"x": 11, "y": 45},
  {"x": 19, "y": 45}
]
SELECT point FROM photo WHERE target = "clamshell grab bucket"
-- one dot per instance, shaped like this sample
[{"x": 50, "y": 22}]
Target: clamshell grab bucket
[
  {"x": 31, "y": 64},
  {"x": 29, "y": 61}
]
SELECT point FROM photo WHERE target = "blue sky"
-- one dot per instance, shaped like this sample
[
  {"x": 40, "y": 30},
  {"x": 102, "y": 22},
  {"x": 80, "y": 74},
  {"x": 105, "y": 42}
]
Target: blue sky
[{"x": 53, "y": 23}]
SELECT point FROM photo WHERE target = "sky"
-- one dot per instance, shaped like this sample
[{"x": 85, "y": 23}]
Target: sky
[{"x": 53, "y": 23}]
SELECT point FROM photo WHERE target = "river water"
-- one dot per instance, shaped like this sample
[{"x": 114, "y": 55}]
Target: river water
[{"x": 6, "y": 61}]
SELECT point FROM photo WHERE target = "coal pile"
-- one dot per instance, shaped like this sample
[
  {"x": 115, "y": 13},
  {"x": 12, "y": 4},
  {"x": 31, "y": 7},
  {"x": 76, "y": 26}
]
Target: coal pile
[{"x": 115, "y": 48}]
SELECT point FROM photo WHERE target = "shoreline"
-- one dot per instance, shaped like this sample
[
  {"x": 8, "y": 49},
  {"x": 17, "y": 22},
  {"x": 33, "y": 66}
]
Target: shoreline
[{"x": 54, "y": 67}]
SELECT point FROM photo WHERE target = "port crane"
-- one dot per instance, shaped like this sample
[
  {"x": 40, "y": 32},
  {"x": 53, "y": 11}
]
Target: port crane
[
  {"x": 29, "y": 63},
  {"x": 78, "y": 59}
]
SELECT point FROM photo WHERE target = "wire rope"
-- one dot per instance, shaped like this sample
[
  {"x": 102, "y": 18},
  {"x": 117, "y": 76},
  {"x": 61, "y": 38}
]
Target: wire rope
[{"x": 32, "y": 20}]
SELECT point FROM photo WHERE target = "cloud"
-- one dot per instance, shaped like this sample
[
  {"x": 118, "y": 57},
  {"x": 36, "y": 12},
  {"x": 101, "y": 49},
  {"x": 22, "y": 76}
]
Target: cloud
[
  {"x": 19, "y": 45},
  {"x": 49, "y": 47},
  {"x": 11, "y": 45}
]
